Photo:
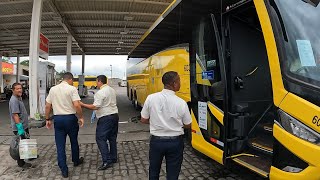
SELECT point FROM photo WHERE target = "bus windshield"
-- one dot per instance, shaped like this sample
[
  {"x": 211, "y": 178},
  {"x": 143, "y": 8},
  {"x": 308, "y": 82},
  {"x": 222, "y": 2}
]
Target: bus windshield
[{"x": 300, "y": 23}]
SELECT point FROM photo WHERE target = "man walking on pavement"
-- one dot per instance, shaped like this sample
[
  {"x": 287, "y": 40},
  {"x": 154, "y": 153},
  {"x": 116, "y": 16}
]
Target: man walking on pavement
[
  {"x": 19, "y": 117},
  {"x": 65, "y": 102},
  {"x": 167, "y": 115},
  {"x": 105, "y": 106}
]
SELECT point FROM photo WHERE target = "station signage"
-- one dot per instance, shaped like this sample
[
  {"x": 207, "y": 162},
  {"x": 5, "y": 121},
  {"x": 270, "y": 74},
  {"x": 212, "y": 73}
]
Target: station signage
[
  {"x": 7, "y": 68},
  {"x": 44, "y": 47}
]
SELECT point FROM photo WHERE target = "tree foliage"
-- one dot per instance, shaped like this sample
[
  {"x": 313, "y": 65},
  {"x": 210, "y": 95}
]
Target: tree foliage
[{"x": 25, "y": 63}]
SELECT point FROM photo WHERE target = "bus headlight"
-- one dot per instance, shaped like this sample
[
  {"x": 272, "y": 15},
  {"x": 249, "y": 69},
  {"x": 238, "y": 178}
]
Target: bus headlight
[{"x": 298, "y": 129}]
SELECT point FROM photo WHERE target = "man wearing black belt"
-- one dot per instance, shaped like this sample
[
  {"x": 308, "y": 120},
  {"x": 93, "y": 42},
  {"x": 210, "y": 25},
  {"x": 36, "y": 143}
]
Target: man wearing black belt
[
  {"x": 64, "y": 100},
  {"x": 105, "y": 106},
  {"x": 167, "y": 115}
]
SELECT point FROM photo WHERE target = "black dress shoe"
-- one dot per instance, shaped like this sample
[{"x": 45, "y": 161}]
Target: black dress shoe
[
  {"x": 65, "y": 174},
  {"x": 104, "y": 166},
  {"x": 81, "y": 160}
]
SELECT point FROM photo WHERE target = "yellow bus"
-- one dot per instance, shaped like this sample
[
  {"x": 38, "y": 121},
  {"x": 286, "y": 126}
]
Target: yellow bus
[
  {"x": 90, "y": 82},
  {"x": 144, "y": 78},
  {"x": 254, "y": 80}
]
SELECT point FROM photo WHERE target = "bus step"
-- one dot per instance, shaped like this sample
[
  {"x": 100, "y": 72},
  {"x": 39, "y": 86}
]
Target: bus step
[
  {"x": 262, "y": 143},
  {"x": 259, "y": 165}
]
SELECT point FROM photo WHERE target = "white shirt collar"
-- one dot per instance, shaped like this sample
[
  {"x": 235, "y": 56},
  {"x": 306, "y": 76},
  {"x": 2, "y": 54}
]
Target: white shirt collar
[
  {"x": 105, "y": 85},
  {"x": 167, "y": 91}
]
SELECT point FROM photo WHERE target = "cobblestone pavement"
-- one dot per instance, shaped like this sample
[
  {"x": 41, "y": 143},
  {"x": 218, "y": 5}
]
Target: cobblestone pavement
[
  {"x": 133, "y": 164},
  {"x": 133, "y": 149}
]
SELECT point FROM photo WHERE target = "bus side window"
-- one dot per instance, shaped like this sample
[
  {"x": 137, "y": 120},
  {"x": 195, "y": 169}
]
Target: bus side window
[{"x": 208, "y": 58}]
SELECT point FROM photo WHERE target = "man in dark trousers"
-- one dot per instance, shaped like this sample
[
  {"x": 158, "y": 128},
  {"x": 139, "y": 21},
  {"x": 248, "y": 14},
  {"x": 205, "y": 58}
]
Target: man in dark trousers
[
  {"x": 105, "y": 106},
  {"x": 19, "y": 117},
  {"x": 65, "y": 102},
  {"x": 167, "y": 115}
]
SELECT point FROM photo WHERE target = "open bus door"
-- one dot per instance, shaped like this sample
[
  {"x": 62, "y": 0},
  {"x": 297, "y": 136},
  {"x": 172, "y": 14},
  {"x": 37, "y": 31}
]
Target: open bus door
[
  {"x": 207, "y": 89},
  {"x": 250, "y": 99}
]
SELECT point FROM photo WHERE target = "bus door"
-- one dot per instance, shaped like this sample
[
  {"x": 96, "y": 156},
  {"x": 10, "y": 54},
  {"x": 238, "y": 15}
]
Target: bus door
[
  {"x": 250, "y": 100},
  {"x": 207, "y": 87}
]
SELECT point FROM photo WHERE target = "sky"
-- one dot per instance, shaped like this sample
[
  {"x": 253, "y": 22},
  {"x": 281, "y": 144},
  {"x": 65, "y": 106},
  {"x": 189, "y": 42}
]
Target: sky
[{"x": 94, "y": 64}]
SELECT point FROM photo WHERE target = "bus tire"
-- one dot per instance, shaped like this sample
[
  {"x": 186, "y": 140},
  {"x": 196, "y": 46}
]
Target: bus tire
[{"x": 131, "y": 96}]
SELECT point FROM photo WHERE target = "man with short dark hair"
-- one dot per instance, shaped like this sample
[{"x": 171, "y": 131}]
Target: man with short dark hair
[
  {"x": 19, "y": 117},
  {"x": 167, "y": 115},
  {"x": 105, "y": 106},
  {"x": 65, "y": 102}
]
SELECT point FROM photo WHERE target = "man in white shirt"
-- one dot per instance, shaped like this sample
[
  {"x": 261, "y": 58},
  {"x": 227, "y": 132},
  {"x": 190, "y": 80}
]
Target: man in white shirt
[
  {"x": 105, "y": 106},
  {"x": 65, "y": 102},
  {"x": 167, "y": 115}
]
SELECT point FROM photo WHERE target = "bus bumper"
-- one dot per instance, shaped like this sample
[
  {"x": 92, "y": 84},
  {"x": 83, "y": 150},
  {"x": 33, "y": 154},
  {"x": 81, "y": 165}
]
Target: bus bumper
[{"x": 306, "y": 151}]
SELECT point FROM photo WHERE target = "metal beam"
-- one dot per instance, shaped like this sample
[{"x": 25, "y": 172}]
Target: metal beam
[
  {"x": 110, "y": 12},
  {"x": 15, "y": 42},
  {"x": 64, "y": 23},
  {"x": 21, "y": 47},
  {"x": 83, "y": 63},
  {"x": 109, "y": 36},
  {"x": 97, "y": 33},
  {"x": 25, "y": 41},
  {"x": 128, "y": 1},
  {"x": 17, "y": 69},
  {"x": 93, "y": 53},
  {"x": 106, "y": 43},
  {"x": 14, "y": 2},
  {"x": 8, "y": 38},
  {"x": 83, "y": 40},
  {"x": 22, "y": 30},
  {"x": 105, "y": 53},
  {"x": 53, "y": 36},
  {"x": 108, "y": 28},
  {"x": 55, "y": 28},
  {"x": 69, "y": 52},
  {"x": 149, "y": 23},
  {"x": 107, "y": 40},
  {"x": 23, "y": 23},
  {"x": 23, "y": 15},
  {"x": 108, "y": 47},
  {"x": 52, "y": 45},
  {"x": 13, "y": 34},
  {"x": 24, "y": 45}
]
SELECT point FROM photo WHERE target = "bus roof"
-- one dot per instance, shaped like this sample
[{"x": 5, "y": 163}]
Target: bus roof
[{"x": 175, "y": 24}]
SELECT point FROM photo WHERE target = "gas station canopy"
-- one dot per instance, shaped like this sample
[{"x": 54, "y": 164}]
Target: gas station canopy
[{"x": 97, "y": 27}]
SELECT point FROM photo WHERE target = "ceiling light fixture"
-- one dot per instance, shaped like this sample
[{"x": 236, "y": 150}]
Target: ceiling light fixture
[
  {"x": 128, "y": 18},
  {"x": 124, "y": 32}
]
